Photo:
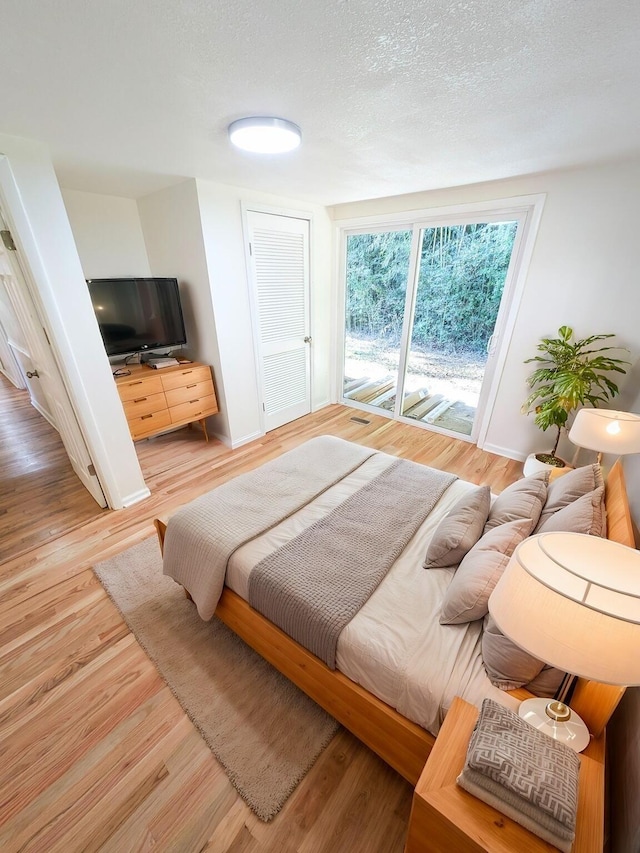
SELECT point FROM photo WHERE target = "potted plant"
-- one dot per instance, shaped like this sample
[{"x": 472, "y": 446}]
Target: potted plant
[{"x": 569, "y": 374}]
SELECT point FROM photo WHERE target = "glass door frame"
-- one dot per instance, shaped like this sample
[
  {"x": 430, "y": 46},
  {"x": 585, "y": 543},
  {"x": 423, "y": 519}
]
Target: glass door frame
[{"x": 527, "y": 211}]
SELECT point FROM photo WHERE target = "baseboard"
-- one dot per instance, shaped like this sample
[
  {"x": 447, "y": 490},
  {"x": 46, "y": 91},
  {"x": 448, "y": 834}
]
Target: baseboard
[
  {"x": 44, "y": 414},
  {"x": 323, "y": 405},
  {"x": 504, "y": 451},
  {"x": 246, "y": 440},
  {"x": 233, "y": 445},
  {"x": 135, "y": 497},
  {"x": 22, "y": 387}
]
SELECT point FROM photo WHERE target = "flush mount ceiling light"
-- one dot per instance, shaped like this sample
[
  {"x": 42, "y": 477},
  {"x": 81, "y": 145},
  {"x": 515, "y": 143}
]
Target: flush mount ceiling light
[{"x": 265, "y": 135}]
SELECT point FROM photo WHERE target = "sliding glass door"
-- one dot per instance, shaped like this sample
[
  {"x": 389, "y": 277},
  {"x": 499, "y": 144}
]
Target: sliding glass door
[
  {"x": 459, "y": 288},
  {"x": 421, "y": 308},
  {"x": 376, "y": 294}
]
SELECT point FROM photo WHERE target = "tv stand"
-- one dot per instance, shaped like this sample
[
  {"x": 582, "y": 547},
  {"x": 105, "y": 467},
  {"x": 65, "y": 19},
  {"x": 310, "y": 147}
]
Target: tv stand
[{"x": 155, "y": 401}]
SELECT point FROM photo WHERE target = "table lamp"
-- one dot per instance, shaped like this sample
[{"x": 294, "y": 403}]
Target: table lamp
[
  {"x": 573, "y": 601},
  {"x": 606, "y": 431}
]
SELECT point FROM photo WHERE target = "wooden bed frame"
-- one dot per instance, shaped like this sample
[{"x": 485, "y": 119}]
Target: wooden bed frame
[{"x": 401, "y": 743}]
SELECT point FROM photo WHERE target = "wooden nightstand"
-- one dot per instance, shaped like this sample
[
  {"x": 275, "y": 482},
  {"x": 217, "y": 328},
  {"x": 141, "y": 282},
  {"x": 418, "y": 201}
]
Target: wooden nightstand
[{"x": 444, "y": 817}]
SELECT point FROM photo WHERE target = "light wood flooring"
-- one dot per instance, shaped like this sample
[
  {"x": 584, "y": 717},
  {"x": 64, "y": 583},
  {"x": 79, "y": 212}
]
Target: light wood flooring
[
  {"x": 96, "y": 753},
  {"x": 40, "y": 495}
]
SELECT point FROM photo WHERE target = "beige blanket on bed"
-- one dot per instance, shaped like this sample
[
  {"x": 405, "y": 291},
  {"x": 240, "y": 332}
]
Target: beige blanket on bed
[{"x": 202, "y": 535}]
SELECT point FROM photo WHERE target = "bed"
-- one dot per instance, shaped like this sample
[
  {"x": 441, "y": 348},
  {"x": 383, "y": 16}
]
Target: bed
[{"x": 392, "y": 679}]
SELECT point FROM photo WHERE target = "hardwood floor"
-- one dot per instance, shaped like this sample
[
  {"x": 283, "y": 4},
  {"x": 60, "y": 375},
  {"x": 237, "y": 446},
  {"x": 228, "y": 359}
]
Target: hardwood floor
[
  {"x": 40, "y": 496},
  {"x": 96, "y": 752}
]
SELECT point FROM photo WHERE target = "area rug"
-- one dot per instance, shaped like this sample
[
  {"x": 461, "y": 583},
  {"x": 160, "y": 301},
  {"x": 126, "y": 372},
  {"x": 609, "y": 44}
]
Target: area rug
[{"x": 263, "y": 730}]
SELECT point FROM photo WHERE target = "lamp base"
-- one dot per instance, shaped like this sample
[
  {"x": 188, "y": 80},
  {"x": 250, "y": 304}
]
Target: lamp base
[{"x": 572, "y": 732}]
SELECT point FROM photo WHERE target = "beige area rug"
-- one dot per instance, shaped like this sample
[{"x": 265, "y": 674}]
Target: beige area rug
[{"x": 264, "y": 731}]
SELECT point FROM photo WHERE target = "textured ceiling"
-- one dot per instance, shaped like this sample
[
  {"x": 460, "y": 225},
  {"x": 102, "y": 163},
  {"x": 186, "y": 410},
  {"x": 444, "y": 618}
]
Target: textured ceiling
[{"x": 392, "y": 96}]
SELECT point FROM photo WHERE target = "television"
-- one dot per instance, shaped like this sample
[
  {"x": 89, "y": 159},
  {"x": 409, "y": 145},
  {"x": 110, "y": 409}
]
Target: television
[{"x": 137, "y": 314}]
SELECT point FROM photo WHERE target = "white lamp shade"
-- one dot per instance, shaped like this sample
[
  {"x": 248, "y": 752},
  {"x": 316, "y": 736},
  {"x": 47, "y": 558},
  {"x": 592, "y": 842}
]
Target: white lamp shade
[
  {"x": 606, "y": 431},
  {"x": 265, "y": 134},
  {"x": 573, "y": 601}
]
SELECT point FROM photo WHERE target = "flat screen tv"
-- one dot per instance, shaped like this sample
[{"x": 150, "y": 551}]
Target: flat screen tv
[{"x": 137, "y": 314}]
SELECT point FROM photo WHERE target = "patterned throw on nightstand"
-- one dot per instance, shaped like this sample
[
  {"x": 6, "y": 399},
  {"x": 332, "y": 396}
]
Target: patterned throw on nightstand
[{"x": 523, "y": 773}]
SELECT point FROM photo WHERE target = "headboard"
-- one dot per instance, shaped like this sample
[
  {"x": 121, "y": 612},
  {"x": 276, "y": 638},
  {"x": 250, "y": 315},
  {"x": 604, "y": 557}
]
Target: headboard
[
  {"x": 623, "y": 735},
  {"x": 619, "y": 525}
]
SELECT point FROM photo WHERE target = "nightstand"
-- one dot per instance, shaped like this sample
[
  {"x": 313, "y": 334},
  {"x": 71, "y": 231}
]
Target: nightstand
[{"x": 444, "y": 817}]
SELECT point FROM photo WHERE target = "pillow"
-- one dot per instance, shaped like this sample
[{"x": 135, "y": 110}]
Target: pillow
[
  {"x": 585, "y": 515},
  {"x": 459, "y": 531},
  {"x": 568, "y": 488},
  {"x": 467, "y": 596},
  {"x": 546, "y": 682},
  {"x": 522, "y": 499},
  {"x": 508, "y": 666}
]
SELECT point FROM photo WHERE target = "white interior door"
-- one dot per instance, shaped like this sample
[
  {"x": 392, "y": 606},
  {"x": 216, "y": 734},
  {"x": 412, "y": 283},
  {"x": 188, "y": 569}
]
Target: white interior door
[
  {"x": 8, "y": 361},
  {"x": 279, "y": 269},
  {"x": 44, "y": 371}
]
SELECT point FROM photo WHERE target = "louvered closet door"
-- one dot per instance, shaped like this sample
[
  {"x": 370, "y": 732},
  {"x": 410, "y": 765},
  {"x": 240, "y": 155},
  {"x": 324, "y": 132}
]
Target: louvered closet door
[{"x": 279, "y": 251}]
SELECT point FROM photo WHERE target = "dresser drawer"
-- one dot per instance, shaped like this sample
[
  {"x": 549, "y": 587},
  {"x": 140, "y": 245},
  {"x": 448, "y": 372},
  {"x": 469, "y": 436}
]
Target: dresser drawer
[
  {"x": 194, "y": 409},
  {"x": 144, "y": 405},
  {"x": 140, "y": 387},
  {"x": 185, "y": 376},
  {"x": 192, "y": 391},
  {"x": 149, "y": 424}
]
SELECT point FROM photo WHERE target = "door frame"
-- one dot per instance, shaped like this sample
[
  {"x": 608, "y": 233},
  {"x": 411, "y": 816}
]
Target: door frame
[
  {"x": 527, "y": 210},
  {"x": 34, "y": 211},
  {"x": 246, "y": 208},
  {"x": 61, "y": 413}
]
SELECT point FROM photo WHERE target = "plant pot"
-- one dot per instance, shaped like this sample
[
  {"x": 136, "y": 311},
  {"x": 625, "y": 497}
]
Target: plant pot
[{"x": 532, "y": 465}]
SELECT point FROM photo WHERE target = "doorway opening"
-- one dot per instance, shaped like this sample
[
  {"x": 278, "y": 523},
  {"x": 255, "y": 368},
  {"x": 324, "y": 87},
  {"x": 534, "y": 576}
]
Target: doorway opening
[{"x": 40, "y": 494}]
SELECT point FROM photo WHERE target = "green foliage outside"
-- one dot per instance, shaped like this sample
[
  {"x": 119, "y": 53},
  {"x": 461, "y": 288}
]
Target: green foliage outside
[{"x": 462, "y": 274}]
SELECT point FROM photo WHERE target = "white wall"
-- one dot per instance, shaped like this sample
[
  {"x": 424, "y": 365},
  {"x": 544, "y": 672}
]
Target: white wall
[
  {"x": 38, "y": 219},
  {"x": 629, "y": 401},
  {"x": 107, "y": 233},
  {"x": 173, "y": 237},
  {"x": 583, "y": 273},
  {"x": 221, "y": 211},
  {"x": 194, "y": 231}
]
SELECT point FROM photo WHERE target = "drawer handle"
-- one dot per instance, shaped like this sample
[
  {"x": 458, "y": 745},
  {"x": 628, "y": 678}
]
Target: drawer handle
[
  {"x": 192, "y": 401},
  {"x": 140, "y": 400},
  {"x": 144, "y": 417},
  {"x": 139, "y": 382},
  {"x": 186, "y": 372},
  {"x": 192, "y": 386}
]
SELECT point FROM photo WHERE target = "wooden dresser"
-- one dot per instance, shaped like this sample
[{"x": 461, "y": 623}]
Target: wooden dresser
[{"x": 157, "y": 400}]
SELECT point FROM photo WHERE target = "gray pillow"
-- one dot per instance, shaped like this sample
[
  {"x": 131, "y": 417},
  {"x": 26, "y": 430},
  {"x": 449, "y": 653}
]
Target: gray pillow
[
  {"x": 467, "y": 596},
  {"x": 508, "y": 666},
  {"x": 585, "y": 515},
  {"x": 568, "y": 488},
  {"x": 522, "y": 499},
  {"x": 459, "y": 531},
  {"x": 546, "y": 682}
]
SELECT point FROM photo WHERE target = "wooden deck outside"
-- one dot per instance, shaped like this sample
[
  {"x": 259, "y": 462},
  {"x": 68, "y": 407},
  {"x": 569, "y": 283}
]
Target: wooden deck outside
[{"x": 421, "y": 405}]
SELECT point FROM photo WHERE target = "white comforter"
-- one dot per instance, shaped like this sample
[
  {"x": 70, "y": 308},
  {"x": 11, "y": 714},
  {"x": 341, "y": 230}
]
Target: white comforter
[{"x": 395, "y": 647}]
